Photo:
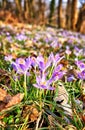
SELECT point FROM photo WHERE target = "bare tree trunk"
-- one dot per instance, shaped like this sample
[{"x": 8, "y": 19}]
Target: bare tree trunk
[
  {"x": 60, "y": 13},
  {"x": 31, "y": 9},
  {"x": 81, "y": 20},
  {"x": 4, "y": 4},
  {"x": 68, "y": 14},
  {"x": 19, "y": 8},
  {"x": 28, "y": 9},
  {"x": 74, "y": 14},
  {"x": 52, "y": 7},
  {"x": 0, "y": 4},
  {"x": 41, "y": 11}
]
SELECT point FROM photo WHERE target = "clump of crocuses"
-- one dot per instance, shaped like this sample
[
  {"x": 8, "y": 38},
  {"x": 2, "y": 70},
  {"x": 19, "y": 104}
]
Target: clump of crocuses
[
  {"x": 47, "y": 71},
  {"x": 50, "y": 71},
  {"x": 23, "y": 66},
  {"x": 81, "y": 69}
]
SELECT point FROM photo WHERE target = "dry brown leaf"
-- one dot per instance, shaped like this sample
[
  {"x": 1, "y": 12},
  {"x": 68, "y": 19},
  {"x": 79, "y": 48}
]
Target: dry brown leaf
[
  {"x": 7, "y": 98},
  {"x": 32, "y": 111},
  {"x": 33, "y": 118},
  {"x": 26, "y": 110},
  {"x": 2, "y": 116},
  {"x": 4, "y": 96},
  {"x": 82, "y": 97},
  {"x": 83, "y": 117},
  {"x": 15, "y": 100},
  {"x": 64, "y": 62},
  {"x": 83, "y": 88},
  {"x": 51, "y": 121},
  {"x": 34, "y": 114},
  {"x": 2, "y": 105}
]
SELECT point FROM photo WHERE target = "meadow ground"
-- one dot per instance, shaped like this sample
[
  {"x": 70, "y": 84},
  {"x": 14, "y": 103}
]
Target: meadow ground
[{"x": 42, "y": 78}]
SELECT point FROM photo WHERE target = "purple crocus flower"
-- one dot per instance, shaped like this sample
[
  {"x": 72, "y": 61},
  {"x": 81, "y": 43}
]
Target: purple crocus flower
[
  {"x": 54, "y": 44},
  {"x": 80, "y": 65},
  {"x": 42, "y": 83},
  {"x": 9, "y": 38},
  {"x": 47, "y": 40},
  {"x": 21, "y": 66},
  {"x": 55, "y": 59},
  {"x": 70, "y": 41},
  {"x": 33, "y": 61},
  {"x": 77, "y": 51},
  {"x": 21, "y": 37},
  {"x": 81, "y": 72},
  {"x": 8, "y": 58},
  {"x": 81, "y": 75},
  {"x": 68, "y": 51},
  {"x": 57, "y": 73},
  {"x": 70, "y": 78},
  {"x": 42, "y": 64}
]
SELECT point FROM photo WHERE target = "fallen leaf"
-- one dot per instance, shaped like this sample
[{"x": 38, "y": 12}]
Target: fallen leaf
[
  {"x": 2, "y": 116},
  {"x": 34, "y": 114},
  {"x": 15, "y": 100},
  {"x": 82, "y": 97},
  {"x": 32, "y": 111},
  {"x": 83, "y": 116},
  {"x": 83, "y": 88},
  {"x": 7, "y": 98},
  {"x": 62, "y": 97},
  {"x": 33, "y": 118},
  {"x": 64, "y": 62},
  {"x": 4, "y": 96},
  {"x": 2, "y": 105},
  {"x": 51, "y": 121}
]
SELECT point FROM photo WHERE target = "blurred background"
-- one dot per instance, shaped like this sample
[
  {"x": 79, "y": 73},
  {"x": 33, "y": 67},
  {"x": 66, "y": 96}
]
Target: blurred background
[{"x": 67, "y": 14}]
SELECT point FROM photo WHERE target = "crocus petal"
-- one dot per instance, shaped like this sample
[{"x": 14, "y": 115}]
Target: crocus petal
[
  {"x": 81, "y": 75},
  {"x": 23, "y": 67},
  {"x": 43, "y": 87},
  {"x": 14, "y": 65},
  {"x": 38, "y": 80},
  {"x": 58, "y": 68},
  {"x": 8, "y": 58},
  {"x": 51, "y": 88},
  {"x": 28, "y": 62},
  {"x": 41, "y": 65},
  {"x": 35, "y": 85},
  {"x": 48, "y": 64},
  {"x": 20, "y": 61}
]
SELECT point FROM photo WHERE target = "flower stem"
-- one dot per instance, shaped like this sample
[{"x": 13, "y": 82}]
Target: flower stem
[
  {"x": 40, "y": 99},
  {"x": 25, "y": 87}
]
